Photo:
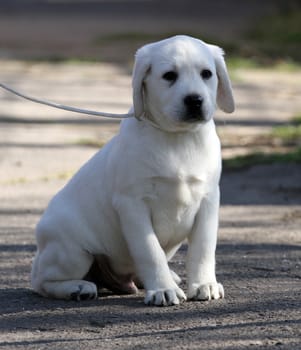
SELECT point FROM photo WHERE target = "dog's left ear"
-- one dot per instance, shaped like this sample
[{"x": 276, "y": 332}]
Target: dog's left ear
[
  {"x": 224, "y": 98},
  {"x": 141, "y": 67}
]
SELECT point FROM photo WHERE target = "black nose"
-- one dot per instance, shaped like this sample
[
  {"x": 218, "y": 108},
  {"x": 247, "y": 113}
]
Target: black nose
[{"x": 193, "y": 101}]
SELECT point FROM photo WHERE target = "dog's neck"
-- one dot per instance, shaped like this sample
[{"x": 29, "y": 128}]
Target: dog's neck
[
  {"x": 147, "y": 117},
  {"x": 151, "y": 121}
]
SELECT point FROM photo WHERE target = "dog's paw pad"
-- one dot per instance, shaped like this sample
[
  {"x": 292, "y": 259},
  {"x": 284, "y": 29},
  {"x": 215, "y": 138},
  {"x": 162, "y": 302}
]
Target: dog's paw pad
[
  {"x": 86, "y": 291},
  {"x": 208, "y": 291},
  {"x": 164, "y": 297}
]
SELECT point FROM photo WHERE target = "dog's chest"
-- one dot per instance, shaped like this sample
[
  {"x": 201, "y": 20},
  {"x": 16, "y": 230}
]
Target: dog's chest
[
  {"x": 174, "y": 202},
  {"x": 176, "y": 192}
]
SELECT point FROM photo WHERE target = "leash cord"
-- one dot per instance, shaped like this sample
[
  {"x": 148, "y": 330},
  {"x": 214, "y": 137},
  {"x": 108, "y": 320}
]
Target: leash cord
[{"x": 64, "y": 107}]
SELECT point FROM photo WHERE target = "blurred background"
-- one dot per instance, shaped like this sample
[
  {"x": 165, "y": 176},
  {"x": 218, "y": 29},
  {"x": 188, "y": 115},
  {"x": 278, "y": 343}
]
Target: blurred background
[
  {"x": 81, "y": 53},
  {"x": 111, "y": 30}
]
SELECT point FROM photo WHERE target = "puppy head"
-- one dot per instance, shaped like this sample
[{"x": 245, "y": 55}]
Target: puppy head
[{"x": 177, "y": 83}]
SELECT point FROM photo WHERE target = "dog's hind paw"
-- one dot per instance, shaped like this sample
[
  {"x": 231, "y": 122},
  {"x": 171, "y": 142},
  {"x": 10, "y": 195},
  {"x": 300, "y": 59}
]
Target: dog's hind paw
[{"x": 84, "y": 291}]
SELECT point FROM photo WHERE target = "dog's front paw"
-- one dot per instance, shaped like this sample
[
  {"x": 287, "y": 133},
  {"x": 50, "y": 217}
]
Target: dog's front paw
[
  {"x": 164, "y": 297},
  {"x": 207, "y": 291}
]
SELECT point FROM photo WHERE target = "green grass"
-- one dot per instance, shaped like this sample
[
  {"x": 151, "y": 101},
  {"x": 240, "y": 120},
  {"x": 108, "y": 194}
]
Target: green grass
[
  {"x": 277, "y": 37},
  {"x": 87, "y": 142},
  {"x": 289, "y": 134},
  {"x": 272, "y": 42},
  {"x": 297, "y": 119},
  {"x": 239, "y": 62},
  {"x": 280, "y": 29},
  {"x": 276, "y": 48},
  {"x": 57, "y": 59},
  {"x": 242, "y": 162},
  {"x": 66, "y": 175},
  {"x": 285, "y": 135},
  {"x": 236, "y": 62}
]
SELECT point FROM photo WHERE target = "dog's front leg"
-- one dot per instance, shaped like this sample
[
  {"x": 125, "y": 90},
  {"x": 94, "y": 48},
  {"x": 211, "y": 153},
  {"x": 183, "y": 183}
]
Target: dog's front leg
[
  {"x": 149, "y": 258},
  {"x": 202, "y": 284}
]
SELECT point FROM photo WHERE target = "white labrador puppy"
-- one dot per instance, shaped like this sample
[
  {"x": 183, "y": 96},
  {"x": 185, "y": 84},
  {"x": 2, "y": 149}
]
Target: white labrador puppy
[{"x": 126, "y": 212}]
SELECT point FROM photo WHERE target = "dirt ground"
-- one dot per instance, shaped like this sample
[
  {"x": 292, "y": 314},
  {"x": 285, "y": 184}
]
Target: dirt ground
[{"x": 259, "y": 246}]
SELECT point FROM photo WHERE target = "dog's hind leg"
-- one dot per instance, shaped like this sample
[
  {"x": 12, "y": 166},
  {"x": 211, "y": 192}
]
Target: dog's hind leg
[
  {"x": 58, "y": 272},
  {"x": 73, "y": 290}
]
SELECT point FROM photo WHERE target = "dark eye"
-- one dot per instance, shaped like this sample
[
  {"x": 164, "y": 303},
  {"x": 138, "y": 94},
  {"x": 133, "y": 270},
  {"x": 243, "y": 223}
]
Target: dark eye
[
  {"x": 170, "y": 76},
  {"x": 206, "y": 74}
]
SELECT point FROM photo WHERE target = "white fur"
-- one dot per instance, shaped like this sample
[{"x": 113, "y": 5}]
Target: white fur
[{"x": 151, "y": 187}]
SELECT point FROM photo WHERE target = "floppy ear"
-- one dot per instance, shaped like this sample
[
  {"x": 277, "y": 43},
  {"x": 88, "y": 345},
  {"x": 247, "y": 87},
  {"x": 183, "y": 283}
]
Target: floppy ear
[
  {"x": 224, "y": 98},
  {"x": 141, "y": 67}
]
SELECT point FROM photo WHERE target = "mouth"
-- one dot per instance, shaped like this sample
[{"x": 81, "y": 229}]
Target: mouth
[{"x": 194, "y": 117}]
